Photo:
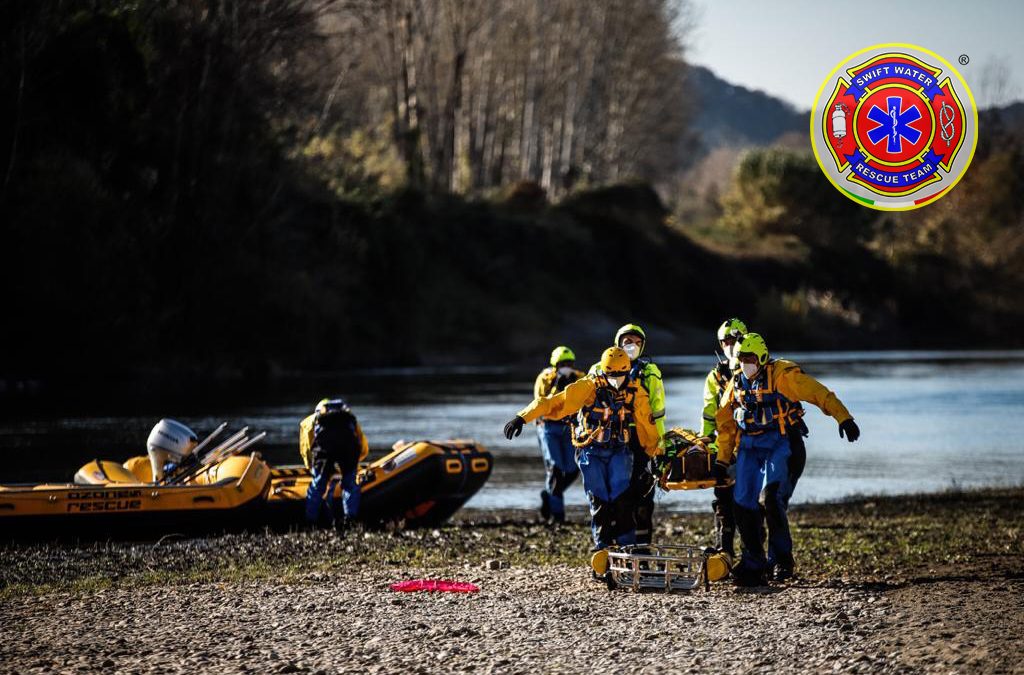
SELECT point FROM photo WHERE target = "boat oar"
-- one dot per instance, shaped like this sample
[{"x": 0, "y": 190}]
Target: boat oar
[{"x": 199, "y": 448}]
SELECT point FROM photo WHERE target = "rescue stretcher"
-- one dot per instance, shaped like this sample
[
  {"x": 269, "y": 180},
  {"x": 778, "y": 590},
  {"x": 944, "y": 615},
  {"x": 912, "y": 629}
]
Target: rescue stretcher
[{"x": 687, "y": 465}]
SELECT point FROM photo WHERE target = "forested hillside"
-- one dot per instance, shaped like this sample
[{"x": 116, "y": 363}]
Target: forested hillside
[{"x": 230, "y": 186}]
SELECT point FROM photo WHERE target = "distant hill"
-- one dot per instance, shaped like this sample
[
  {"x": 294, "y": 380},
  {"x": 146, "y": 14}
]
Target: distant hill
[{"x": 729, "y": 115}]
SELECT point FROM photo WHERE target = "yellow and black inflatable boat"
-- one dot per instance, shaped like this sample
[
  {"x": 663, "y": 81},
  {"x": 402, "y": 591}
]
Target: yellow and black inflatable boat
[
  {"x": 419, "y": 483},
  {"x": 109, "y": 499}
]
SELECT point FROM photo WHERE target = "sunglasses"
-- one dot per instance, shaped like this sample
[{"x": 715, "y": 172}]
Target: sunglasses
[
  {"x": 617, "y": 373},
  {"x": 728, "y": 340}
]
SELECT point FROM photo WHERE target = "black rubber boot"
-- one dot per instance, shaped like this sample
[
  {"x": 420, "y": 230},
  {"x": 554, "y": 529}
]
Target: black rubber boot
[
  {"x": 545, "y": 506},
  {"x": 725, "y": 521},
  {"x": 751, "y": 570},
  {"x": 744, "y": 577}
]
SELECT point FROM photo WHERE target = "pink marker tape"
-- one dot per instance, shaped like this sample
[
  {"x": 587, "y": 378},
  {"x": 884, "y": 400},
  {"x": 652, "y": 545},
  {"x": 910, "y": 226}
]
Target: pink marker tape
[{"x": 435, "y": 586}]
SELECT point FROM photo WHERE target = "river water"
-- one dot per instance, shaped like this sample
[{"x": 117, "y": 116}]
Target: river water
[{"x": 929, "y": 421}]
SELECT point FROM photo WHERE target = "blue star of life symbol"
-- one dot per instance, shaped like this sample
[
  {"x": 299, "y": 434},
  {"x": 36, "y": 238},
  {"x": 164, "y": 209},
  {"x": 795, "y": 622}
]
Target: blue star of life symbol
[{"x": 894, "y": 124}]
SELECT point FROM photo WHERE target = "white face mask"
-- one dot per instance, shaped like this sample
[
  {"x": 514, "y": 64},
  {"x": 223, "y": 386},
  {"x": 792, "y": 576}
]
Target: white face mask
[
  {"x": 616, "y": 381},
  {"x": 730, "y": 352},
  {"x": 565, "y": 371},
  {"x": 750, "y": 370},
  {"x": 632, "y": 351}
]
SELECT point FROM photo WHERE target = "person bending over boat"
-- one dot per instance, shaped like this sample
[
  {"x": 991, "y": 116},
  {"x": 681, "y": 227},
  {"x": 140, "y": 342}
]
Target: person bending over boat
[
  {"x": 606, "y": 404},
  {"x": 331, "y": 437}
]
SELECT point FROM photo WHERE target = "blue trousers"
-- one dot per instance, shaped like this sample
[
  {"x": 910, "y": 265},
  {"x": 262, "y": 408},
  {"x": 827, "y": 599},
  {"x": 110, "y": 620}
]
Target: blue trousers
[
  {"x": 559, "y": 463},
  {"x": 762, "y": 463},
  {"x": 606, "y": 474},
  {"x": 321, "y": 489}
]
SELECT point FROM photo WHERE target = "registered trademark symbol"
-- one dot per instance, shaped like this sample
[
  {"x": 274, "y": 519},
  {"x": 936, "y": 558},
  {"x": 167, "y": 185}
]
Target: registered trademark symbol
[{"x": 964, "y": 59}]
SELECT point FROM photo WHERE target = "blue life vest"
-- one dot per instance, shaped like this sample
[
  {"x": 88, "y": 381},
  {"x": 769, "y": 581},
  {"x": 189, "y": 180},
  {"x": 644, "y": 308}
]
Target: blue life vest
[{"x": 606, "y": 422}]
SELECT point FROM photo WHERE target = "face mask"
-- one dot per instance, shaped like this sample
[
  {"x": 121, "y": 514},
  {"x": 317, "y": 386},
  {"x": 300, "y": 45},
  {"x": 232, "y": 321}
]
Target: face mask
[
  {"x": 616, "y": 381},
  {"x": 750, "y": 369},
  {"x": 730, "y": 352},
  {"x": 565, "y": 371},
  {"x": 632, "y": 351}
]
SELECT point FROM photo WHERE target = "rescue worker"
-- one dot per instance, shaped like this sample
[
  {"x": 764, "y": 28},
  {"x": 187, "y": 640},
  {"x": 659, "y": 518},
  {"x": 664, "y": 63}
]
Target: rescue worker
[
  {"x": 555, "y": 435},
  {"x": 752, "y": 425},
  {"x": 632, "y": 339},
  {"x": 729, "y": 334},
  {"x": 331, "y": 437},
  {"x": 606, "y": 403}
]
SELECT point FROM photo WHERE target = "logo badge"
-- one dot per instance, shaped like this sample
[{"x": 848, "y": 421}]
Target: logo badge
[{"x": 894, "y": 127}]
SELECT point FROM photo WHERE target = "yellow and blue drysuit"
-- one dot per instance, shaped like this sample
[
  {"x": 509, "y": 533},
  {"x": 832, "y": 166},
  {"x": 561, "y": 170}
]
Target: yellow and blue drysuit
[
  {"x": 645, "y": 371},
  {"x": 555, "y": 436},
  {"x": 753, "y": 425},
  {"x": 722, "y": 505},
  {"x": 601, "y": 436}
]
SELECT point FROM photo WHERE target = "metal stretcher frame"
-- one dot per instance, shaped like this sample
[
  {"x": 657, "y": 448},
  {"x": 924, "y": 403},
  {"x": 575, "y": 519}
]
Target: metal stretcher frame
[{"x": 657, "y": 567}]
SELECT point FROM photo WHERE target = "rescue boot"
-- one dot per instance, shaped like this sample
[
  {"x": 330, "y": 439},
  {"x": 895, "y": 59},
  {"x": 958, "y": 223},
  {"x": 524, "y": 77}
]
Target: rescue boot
[
  {"x": 782, "y": 570},
  {"x": 746, "y": 577},
  {"x": 545, "y": 506},
  {"x": 781, "y": 574}
]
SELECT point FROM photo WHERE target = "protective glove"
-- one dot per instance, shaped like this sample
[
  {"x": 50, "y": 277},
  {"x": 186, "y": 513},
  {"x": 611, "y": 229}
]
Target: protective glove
[
  {"x": 851, "y": 429},
  {"x": 514, "y": 427},
  {"x": 720, "y": 470}
]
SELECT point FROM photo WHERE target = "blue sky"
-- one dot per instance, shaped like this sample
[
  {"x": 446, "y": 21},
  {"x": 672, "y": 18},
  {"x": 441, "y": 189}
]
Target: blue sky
[{"x": 786, "y": 48}]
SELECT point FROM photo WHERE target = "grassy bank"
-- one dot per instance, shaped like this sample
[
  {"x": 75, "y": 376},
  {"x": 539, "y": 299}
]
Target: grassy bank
[{"x": 890, "y": 540}]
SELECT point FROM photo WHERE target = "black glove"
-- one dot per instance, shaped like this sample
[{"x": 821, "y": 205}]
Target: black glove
[
  {"x": 514, "y": 427},
  {"x": 720, "y": 470},
  {"x": 851, "y": 430}
]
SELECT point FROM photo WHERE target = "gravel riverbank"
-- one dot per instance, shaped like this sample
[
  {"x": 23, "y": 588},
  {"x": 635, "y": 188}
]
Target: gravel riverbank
[{"x": 306, "y": 602}]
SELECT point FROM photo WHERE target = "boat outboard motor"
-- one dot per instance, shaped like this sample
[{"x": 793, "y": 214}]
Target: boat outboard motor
[{"x": 169, "y": 441}]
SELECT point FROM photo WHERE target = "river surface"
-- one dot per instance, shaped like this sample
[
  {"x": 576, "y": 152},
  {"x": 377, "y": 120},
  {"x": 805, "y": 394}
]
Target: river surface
[{"x": 930, "y": 421}]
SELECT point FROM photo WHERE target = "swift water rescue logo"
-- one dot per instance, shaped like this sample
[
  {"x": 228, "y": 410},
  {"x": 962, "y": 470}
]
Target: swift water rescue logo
[{"x": 894, "y": 127}]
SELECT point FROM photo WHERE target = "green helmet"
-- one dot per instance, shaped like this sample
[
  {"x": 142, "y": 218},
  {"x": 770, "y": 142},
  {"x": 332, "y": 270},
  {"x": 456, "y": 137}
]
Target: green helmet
[
  {"x": 631, "y": 329},
  {"x": 752, "y": 343},
  {"x": 733, "y": 327},
  {"x": 561, "y": 353}
]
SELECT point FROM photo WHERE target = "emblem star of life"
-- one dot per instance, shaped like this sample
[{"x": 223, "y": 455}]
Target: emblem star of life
[{"x": 894, "y": 127}]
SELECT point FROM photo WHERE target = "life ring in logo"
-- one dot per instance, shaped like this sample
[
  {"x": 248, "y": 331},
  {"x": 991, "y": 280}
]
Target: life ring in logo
[{"x": 894, "y": 127}]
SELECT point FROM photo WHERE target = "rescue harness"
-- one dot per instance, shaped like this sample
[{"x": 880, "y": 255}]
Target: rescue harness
[
  {"x": 606, "y": 421},
  {"x": 760, "y": 405}
]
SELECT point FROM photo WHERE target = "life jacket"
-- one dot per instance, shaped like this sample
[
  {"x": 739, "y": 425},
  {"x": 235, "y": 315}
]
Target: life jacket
[
  {"x": 336, "y": 426},
  {"x": 605, "y": 423},
  {"x": 760, "y": 407},
  {"x": 723, "y": 373},
  {"x": 552, "y": 383},
  {"x": 638, "y": 370}
]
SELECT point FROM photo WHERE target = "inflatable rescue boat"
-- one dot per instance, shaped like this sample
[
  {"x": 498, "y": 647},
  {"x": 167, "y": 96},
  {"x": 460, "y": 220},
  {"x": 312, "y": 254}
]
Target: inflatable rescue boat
[
  {"x": 108, "y": 500},
  {"x": 419, "y": 484},
  {"x": 206, "y": 491}
]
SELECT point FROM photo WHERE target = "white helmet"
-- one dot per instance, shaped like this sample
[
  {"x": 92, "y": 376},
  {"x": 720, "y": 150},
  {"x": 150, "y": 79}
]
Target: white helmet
[{"x": 172, "y": 437}]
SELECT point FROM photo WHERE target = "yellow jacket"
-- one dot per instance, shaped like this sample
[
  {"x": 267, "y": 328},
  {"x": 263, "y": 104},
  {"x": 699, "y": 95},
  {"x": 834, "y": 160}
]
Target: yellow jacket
[
  {"x": 582, "y": 393},
  {"x": 306, "y": 441},
  {"x": 545, "y": 383},
  {"x": 714, "y": 385},
  {"x": 788, "y": 379}
]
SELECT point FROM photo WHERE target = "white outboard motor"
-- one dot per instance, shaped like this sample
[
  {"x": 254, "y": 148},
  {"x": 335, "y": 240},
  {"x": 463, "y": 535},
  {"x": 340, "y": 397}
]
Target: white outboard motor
[{"x": 169, "y": 441}]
